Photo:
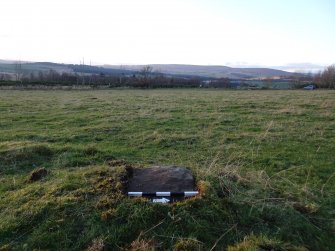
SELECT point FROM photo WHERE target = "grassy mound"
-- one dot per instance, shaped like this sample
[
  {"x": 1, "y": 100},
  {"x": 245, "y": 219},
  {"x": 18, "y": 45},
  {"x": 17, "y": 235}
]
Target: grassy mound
[{"x": 71, "y": 209}]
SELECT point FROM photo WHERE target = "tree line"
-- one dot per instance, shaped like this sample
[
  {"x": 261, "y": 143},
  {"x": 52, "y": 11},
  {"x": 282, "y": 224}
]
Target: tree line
[
  {"x": 145, "y": 78},
  {"x": 326, "y": 78}
]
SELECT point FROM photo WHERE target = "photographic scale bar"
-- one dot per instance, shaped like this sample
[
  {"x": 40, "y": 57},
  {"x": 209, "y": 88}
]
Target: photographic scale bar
[{"x": 163, "y": 194}]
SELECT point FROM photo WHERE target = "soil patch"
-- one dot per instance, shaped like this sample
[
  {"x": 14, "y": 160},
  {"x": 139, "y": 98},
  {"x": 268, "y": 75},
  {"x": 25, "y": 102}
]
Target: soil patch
[
  {"x": 161, "y": 179},
  {"x": 37, "y": 174}
]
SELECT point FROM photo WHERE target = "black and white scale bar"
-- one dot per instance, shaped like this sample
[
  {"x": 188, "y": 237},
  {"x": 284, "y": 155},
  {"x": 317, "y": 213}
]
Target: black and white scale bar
[{"x": 164, "y": 194}]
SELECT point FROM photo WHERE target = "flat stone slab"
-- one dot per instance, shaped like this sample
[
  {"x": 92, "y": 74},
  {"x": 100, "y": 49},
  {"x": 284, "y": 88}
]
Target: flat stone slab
[{"x": 161, "y": 179}]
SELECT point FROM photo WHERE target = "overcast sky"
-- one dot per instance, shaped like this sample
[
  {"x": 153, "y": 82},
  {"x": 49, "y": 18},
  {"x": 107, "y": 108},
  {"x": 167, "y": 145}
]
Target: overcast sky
[{"x": 208, "y": 32}]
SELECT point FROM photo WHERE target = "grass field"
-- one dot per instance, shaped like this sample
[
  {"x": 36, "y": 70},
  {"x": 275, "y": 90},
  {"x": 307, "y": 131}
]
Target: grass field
[{"x": 264, "y": 162}]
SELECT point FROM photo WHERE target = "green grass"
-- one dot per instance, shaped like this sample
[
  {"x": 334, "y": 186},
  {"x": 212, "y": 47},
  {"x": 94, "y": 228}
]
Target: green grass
[{"x": 263, "y": 159}]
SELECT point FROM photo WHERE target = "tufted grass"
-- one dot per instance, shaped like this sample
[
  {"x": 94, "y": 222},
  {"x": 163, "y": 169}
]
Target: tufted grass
[{"x": 264, "y": 162}]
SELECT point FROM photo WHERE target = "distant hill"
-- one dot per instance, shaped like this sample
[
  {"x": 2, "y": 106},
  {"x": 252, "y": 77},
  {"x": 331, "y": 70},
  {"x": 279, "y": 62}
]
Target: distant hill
[
  {"x": 6, "y": 61},
  {"x": 27, "y": 68},
  {"x": 210, "y": 71},
  {"x": 202, "y": 71}
]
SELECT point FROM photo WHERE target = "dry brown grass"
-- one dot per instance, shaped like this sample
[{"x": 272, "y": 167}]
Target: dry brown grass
[
  {"x": 97, "y": 245},
  {"x": 142, "y": 245}
]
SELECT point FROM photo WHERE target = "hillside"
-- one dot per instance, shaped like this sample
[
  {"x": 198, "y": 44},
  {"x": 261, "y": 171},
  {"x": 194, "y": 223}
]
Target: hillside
[
  {"x": 168, "y": 69},
  {"x": 27, "y": 68},
  {"x": 211, "y": 71}
]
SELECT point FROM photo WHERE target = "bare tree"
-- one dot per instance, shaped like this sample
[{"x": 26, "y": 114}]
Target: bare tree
[
  {"x": 326, "y": 79},
  {"x": 18, "y": 71},
  {"x": 145, "y": 76},
  {"x": 146, "y": 71},
  {"x": 41, "y": 76}
]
